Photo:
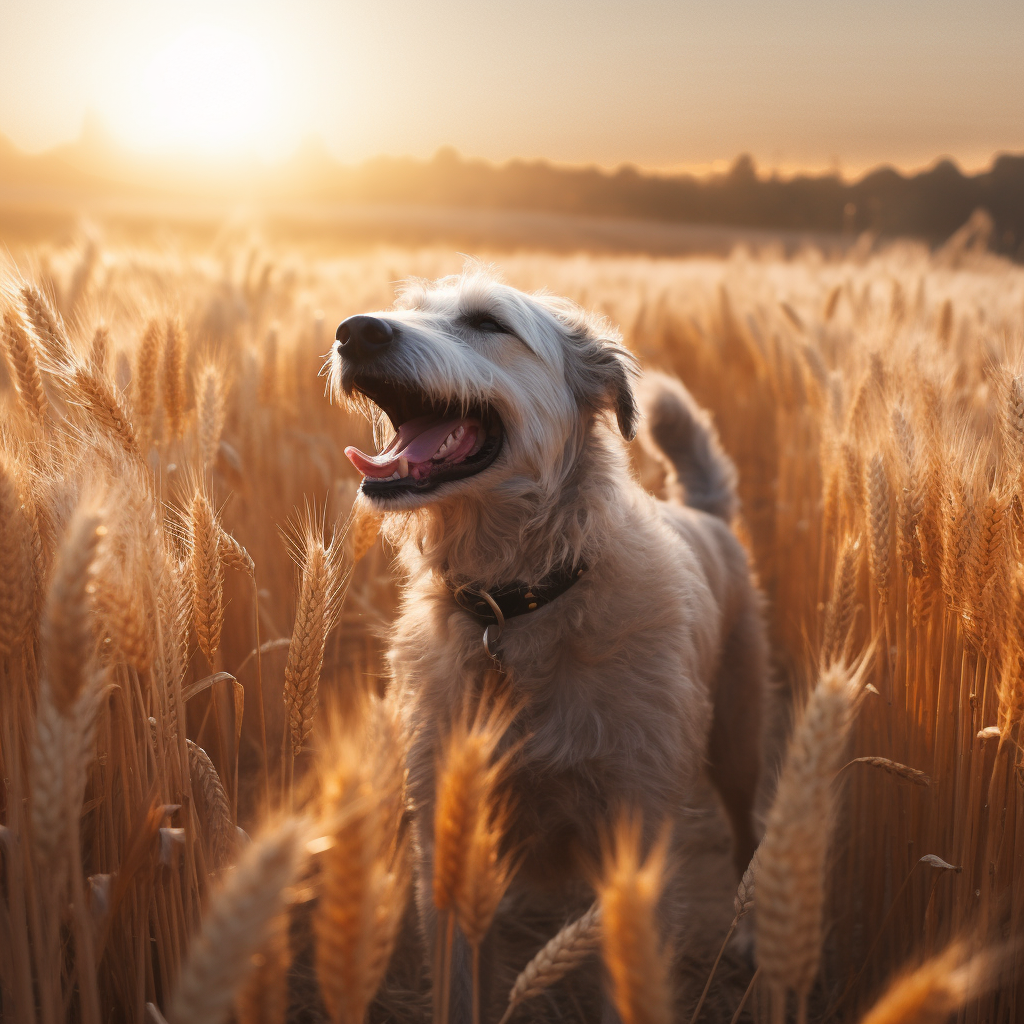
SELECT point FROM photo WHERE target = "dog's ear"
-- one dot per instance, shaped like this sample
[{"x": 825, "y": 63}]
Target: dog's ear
[{"x": 603, "y": 378}]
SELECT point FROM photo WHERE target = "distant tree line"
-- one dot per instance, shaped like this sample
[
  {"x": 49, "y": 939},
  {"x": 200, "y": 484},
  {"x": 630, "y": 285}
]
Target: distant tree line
[{"x": 930, "y": 205}]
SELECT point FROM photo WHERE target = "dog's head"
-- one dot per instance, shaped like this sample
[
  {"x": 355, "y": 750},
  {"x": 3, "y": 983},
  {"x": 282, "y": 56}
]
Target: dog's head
[{"x": 482, "y": 385}]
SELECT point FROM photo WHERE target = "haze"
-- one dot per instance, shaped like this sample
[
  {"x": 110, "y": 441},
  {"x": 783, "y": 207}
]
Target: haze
[{"x": 659, "y": 84}]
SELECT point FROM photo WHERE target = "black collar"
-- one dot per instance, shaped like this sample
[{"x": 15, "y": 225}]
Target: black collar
[{"x": 515, "y": 598}]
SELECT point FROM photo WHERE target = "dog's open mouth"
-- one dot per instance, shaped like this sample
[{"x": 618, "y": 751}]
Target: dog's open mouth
[{"x": 435, "y": 441}]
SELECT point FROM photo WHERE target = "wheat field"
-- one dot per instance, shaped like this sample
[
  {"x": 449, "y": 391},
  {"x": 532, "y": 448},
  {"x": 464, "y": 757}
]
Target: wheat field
[{"x": 203, "y": 807}]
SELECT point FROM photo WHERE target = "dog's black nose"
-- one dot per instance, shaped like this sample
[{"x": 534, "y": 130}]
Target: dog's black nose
[{"x": 363, "y": 335}]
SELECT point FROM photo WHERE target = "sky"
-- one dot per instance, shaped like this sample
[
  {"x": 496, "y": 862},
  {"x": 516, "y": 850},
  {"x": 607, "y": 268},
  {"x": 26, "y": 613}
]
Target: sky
[{"x": 663, "y": 84}]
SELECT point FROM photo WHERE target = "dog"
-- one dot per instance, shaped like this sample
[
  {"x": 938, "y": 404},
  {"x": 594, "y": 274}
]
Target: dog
[{"x": 630, "y": 626}]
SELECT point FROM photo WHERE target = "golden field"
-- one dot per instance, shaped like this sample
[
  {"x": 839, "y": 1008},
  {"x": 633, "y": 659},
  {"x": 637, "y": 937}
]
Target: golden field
[{"x": 193, "y": 615}]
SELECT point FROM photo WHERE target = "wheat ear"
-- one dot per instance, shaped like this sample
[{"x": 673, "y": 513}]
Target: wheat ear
[
  {"x": 263, "y": 997},
  {"x": 233, "y": 555},
  {"x": 793, "y": 856},
  {"x": 18, "y": 580},
  {"x": 144, "y": 384},
  {"x": 210, "y": 392},
  {"x": 306, "y": 650},
  {"x": 236, "y": 926},
  {"x": 742, "y": 901},
  {"x": 22, "y": 355},
  {"x": 127, "y": 623},
  {"x": 47, "y": 324},
  {"x": 207, "y": 575},
  {"x": 365, "y": 863},
  {"x": 842, "y": 605},
  {"x": 572, "y": 946},
  {"x": 99, "y": 349},
  {"x": 467, "y": 777},
  {"x": 60, "y": 755},
  {"x": 363, "y": 529},
  {"x": 879, "y": 514},
  {"x": 636, "y": 960},
  {"x": 901, "y": 771},
  {"x": 320, "y": 595},
  {"x": 107, "y": 407},
  {"x": 174, "y": 379},
  {"x": 67, "y": 633},
  {"x": 221, "y": 828},
  {"x": 937, "y": 989}
]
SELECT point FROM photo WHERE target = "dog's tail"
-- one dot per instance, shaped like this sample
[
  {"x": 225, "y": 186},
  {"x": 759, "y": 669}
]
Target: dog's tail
[{"x": 680, "y": 434}]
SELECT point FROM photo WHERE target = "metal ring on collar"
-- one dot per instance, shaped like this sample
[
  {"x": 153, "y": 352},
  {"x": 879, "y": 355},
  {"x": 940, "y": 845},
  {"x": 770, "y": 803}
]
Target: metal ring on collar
[{"x": 492, "y": 634}]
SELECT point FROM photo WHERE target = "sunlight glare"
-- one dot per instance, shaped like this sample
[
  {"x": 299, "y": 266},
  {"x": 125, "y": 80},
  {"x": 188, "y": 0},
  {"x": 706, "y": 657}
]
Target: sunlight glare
[{"x": 207, "y": 89}]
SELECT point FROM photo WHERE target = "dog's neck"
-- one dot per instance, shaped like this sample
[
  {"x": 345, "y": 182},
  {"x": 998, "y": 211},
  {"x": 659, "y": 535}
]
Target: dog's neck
[{"x": 522, "y": 533}]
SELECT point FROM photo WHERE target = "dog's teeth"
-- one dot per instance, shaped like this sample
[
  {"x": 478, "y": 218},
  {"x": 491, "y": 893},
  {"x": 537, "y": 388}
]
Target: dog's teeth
[
  {"x": 460, "y": 433},
  {"x": 448, "y": 443},
  {"x": 403, "y": 468}
]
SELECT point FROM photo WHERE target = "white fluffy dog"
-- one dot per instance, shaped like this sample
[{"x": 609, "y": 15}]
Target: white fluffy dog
[{"x": 629, "y": 625}]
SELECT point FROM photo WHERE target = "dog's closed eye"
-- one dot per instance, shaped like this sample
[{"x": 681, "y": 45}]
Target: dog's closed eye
[{"x": 486, "y": 324}]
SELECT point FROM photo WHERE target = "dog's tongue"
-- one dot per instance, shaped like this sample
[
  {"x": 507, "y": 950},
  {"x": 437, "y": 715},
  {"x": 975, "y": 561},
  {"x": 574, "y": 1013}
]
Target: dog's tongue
[{"x": 417, "y": 440}]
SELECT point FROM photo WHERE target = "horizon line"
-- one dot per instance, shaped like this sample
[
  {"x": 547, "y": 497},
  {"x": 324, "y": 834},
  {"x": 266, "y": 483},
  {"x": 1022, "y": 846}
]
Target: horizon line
[{"x": 96, "y": 132}]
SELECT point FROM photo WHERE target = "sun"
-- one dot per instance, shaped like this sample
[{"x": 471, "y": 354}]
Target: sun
[{"x": 206, "y": 89}]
